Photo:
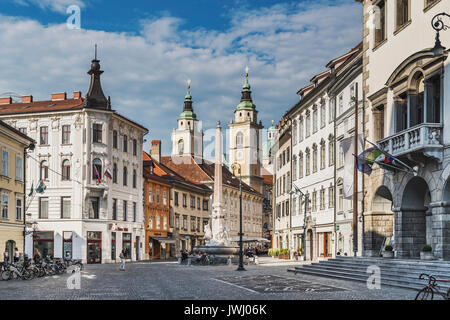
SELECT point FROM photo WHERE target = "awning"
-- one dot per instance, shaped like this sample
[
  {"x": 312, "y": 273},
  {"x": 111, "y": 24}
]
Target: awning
[{"x": 163, "y": 239}]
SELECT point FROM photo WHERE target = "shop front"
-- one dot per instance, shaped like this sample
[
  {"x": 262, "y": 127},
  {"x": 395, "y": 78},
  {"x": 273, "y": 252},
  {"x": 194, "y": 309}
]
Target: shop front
[
  {"x": 94, "y": 247},
  {"x": 67, "y": 245},
  {"x": 126, "y": 244},
  {"x": 160, "y": 247},
  {"x": 43, "y": 241}
]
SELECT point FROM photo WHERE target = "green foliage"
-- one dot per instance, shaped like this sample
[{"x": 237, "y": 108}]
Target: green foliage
[
  {"x": 388, "y": 248},
  {"x": 427, "y": 248},
  {"x": 284, "y": 251},
  {"x": 273, "y": 252}
]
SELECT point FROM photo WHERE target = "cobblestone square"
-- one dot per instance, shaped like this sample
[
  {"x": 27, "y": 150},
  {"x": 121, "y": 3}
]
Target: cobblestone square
[{"x": 170, "y": 281}]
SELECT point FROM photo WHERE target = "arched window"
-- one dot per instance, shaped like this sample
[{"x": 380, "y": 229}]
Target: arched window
[
  {"x": 239, "y": 140},
  {"x": 66, "y": 170},
  {"x": 331, "y": 150},
  {"x": 44, "y": 170},
  {"x": 115, "y": 139},
  {"x": 314, "y": 159},
  {"x": 125, "y": 176},
  {"x": 294, "y": 133},
  {"x": 180, "y": 146},
  {"x": 96, "y": 169},
  {"x": 134, "y": 178},
  {"x": 125, "y": 143}
]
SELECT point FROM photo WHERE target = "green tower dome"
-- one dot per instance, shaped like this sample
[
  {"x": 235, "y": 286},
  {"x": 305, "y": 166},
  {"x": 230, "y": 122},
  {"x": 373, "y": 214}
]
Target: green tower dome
[
  {"x": 246, "y": 97},
  {"x": 188, "y": 111}
]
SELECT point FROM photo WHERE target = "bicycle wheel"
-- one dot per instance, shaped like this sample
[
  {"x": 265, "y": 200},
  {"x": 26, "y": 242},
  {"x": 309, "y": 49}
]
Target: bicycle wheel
[
  {"x": 6, "y": 275},
  {"x": 425, "y": 294}
]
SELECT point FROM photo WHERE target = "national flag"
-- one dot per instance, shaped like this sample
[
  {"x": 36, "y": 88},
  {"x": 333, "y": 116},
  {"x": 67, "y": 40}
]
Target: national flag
[
  {"x": 41, "y": 187},
  {"x": 108, "y": 174},
  {"x": 366, "y": 159},
  {"x": 97, "y": 175},
  {"x": 31, "y": 190}
]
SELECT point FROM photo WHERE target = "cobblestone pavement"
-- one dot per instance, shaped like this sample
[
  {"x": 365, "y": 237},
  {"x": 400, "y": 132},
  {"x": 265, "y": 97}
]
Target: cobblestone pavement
[{"x": 168, "y": 280}]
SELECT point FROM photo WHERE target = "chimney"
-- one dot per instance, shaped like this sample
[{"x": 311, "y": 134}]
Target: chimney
[
  {"x": 155, "y": 152},
  {"x": 77, "y": 94},
  {"x": 27, "y": 99},
  {"x": 59, "y": 96},
  {"x": 6, "y": 100}
]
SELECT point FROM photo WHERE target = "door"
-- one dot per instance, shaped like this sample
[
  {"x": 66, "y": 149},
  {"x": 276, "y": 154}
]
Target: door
[
  {"x": 137, "y": 247},
  {"x": 94, "y": 247},
  {"x": 326, "y": 244}
]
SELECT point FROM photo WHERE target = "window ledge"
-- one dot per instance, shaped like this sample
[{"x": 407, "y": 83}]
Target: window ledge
[
  {"x": 379, "y": 44},
  {"x": 19, "y": 181},
  {"x": 5, "y": 177},
  {"x": 66, "y": 144},
  {"x": 44, "y": 145},
  {"x": 431, "y": 6},
  {"x": 402, "y": 27}
]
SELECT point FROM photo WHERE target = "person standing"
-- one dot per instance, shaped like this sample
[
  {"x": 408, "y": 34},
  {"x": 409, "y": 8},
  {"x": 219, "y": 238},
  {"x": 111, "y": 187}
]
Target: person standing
[
  {"x": 16, "y": 255},
  {"x": 122, "y": 260},
  {"x": 6, "y": 256},
  {"x": 36, "y": 256}
]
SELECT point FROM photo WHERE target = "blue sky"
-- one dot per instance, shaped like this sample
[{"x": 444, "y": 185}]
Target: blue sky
[{"x": 148, "y": 49}]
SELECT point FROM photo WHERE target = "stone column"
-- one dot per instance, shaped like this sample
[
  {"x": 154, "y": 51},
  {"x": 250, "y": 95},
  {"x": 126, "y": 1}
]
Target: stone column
[
  {"x": 441, "y": 230},
  {"x": 410, "y": 231},
  {"x": 217, "y": 221}
]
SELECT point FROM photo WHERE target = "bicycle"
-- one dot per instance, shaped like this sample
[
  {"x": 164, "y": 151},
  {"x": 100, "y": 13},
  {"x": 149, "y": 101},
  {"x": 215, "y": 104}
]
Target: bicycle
[{"x": 427, "y": 293}]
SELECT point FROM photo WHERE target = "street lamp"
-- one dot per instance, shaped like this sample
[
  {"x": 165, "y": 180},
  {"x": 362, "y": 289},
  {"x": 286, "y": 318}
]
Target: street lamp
[
  {"x": 306, "y": 202},
  {"x": 439, "y": 25},
  {"x": 241, "y": 253}
]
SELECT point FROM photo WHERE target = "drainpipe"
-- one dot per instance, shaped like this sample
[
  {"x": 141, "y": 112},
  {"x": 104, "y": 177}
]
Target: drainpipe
[{"x": 334, "y": 179}]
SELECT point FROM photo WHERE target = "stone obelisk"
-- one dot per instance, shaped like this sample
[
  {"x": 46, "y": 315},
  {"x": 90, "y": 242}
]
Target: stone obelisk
[{"x": 218, "y": 217}]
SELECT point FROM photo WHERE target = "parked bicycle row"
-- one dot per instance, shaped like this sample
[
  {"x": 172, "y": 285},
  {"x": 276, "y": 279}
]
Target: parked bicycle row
[{"x": 31, "y": 269}]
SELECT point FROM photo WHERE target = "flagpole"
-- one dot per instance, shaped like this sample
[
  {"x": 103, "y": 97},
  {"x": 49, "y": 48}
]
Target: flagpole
[
  {"x": 395, "y": 158},
  {"x": 355, "y": 178}
]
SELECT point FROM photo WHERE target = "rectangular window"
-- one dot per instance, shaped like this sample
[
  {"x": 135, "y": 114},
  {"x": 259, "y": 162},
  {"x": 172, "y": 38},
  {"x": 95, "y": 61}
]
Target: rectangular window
[
  {"x": 158, "y": 196},
  {"x": 19, "y": 169},
  {"x": 198, "y": 203},
  {"x": 150, "y": 195},
  {"x": 65, "y": 207},
  {"x": 43, "y": 135},
  {"x": 402, "y": 13},
  {"x": 5, "y": 163},
  {"x": 205, "y": 205},
  {"x": 300, "y": 129},
  {"x": 185, "y": 222},
  {"x": 134, "y": 147},
  {"x": 19, "y": 209},
  {"x": 341, "y": 200},
  {"x": 115, "y": 139},
  {"x": 125, "y": 143},
  {"x": 193, "y": 202},
  {"x": 308, "y": 124},
  {"x": 184, "y": 200},
  {"x": 177, "y": 222},
  {"x": 5, "y": 204},
  {"x": 150, "y": 222},
  {"x": 341, "y": 104},
  {"x": 331, "y": 106},
  {"x": 176, "y": 198},
  {"x": 66, "y": 134},
  {"x": 125, "y": 210},
  {"x": 165, "y": 197},
  {"x": 322, "y": 115},
  {"x": 158, "y": 222},
  {"x": 97, "y": 133},
  {"x": 192, "y": 224},
  {"x": 164, "y": 223},
  {"x": 114, "y": 208},
  {"x": 322, "y": 199},
  {"x": 94, "y": 206},
  {"x": 380, "y": 25},
  {"x": 43, "y": 208},
  {"x": 331, "y": 197},
  {"x": 134, "y": 211},
  {"x": 315, "y": 119}
]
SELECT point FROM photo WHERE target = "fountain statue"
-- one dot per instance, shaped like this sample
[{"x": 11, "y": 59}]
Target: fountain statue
[{"x": 217, "y": 239}]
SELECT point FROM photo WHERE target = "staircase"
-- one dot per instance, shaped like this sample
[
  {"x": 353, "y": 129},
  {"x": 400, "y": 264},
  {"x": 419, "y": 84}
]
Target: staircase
[{"x": 399, "y": 273}]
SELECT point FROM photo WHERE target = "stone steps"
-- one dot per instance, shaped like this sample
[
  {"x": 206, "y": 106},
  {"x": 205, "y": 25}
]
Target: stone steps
[{"x": 394, "y": 272}]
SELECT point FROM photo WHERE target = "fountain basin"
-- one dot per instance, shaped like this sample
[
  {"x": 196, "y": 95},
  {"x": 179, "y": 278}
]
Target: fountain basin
[{"x": 217, "y": 250}]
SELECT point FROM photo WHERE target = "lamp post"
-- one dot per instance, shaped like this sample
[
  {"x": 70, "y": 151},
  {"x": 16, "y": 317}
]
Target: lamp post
[
  {"x": 439, "y": 25},
  {"x": 241, "y": 253}
]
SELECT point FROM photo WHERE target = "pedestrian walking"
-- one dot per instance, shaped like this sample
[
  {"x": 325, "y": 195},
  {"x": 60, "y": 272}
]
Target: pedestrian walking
[
  {"x": 122, "y": 260},
  {"x": 16, "y": 255}
]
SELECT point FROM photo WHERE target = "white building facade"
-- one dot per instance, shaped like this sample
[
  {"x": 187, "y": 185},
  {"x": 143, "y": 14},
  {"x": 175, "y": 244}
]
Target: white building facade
[{"x": 82, "y": 213}]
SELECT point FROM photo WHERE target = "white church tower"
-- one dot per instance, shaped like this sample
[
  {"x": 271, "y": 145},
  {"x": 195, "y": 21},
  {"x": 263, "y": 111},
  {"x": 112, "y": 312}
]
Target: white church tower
[
  {"x": 187, "y": 139},
  {"x": 246, "y": 139}
]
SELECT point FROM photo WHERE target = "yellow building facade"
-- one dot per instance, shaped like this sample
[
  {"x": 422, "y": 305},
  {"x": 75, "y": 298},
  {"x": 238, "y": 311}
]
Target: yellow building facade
[{"x": 13, "y": 145}]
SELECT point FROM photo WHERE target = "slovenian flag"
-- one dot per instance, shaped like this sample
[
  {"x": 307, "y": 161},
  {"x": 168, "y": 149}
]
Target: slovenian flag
[{"x": 108, "y": 174}]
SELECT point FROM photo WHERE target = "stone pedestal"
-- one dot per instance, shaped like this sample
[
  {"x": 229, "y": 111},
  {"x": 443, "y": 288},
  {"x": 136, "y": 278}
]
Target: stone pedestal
[{"x": 441, "y": 233}]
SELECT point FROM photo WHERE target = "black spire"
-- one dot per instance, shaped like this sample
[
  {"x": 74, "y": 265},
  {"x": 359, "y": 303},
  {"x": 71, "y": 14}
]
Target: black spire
[{"x": 95, "y": 97}]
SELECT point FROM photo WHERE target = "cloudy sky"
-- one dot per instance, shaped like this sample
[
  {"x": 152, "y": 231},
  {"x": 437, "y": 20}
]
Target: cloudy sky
[{"x": 148, "y": 50}]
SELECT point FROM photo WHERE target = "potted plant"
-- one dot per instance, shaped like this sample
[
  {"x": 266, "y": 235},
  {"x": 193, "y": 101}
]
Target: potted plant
[
  {"x": 426, "y": 253},
  {"x": 388, "y": 252},
  {"x": 284, "y": 254}
]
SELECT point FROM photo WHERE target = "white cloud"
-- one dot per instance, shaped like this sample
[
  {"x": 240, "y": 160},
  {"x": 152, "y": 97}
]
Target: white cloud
[{"x": 145, "y": 74}]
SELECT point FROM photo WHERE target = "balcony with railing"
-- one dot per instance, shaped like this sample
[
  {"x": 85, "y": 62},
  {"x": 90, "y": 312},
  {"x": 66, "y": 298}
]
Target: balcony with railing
[{"x": 424, "y": 138}]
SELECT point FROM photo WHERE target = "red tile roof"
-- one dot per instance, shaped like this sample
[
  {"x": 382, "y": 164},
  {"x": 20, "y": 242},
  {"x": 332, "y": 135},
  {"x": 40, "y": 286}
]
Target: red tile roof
[{"x": 41, "y": 106}]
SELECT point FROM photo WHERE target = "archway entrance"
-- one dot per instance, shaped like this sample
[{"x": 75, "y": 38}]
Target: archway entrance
[
  {"x": 411, "y": 221},
  {"x": 10, "y": 245}
]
